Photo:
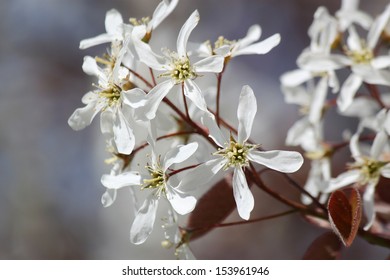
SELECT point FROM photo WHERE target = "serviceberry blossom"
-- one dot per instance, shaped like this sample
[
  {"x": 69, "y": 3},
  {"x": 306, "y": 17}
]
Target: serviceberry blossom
[
  {"x": 244, "y": 46},
  {"x": 177, "y": 67},
  {"x": 237, "y": 155},
  {"x": 158, "y": 180}
]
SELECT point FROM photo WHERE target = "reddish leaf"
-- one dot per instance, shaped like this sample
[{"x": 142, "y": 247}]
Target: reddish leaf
[
  {"x": 345, "y": 213},
  {"x": 212, "y": 208},
  {"x": 325, "y": 247}
]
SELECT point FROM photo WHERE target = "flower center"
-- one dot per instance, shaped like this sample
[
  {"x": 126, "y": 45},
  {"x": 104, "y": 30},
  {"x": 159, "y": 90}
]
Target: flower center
[
  {"x": 111, "y": 94},
  {"x": 363, "y": 56},
  {"x": 157, "y": 179},
  {"x": 182, "y": 70},
  {"x": 137, "y": 22},
  {"x": 235, "y": 153},
  {"x": 222, "y": 41},
  {"x": 370, "y": 169}
]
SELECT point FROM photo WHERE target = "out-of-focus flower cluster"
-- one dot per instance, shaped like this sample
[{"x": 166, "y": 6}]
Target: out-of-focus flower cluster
[{"x": 354, "y": 45}]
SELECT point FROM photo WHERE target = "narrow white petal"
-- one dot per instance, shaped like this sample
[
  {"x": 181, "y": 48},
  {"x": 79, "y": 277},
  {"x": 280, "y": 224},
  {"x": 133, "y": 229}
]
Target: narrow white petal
[
  {"x": 247, "y": 108},
  {"x": 179, "y": 154},
  {"x": 262, "y": 47},
  {"x": 135, "y": 98},
  {"x": 106, "y": 121},
  {"x": 123, "y": 134},
  {"x": 214, "y": 132},
  {"x": 385, "y": 171},
  {"x": 354, "y": 41},
  {"x": 126, "y": 179},
  {"x": 185, "y": 32},
  {"x": 381, "y": 62},
  {"x": 145, "y": 53},
  {"x": 202, "y": 174},
  {"x": 109, "y": 197},
  {"x": 113, "y": 22},
  {"x": 144, "y": 220},
  {"x": 181, "y": 203},
  {"x": 371, "y": 75},
  {"x": 253, "y": 34},
  {"x": 242, "y": 194},
  {"x": 379, "y": 144},
  {"x": 90, "y": 67},
  {"x": 162, "y": 11},
  {"x": 344, "y": 179},
  {"x": 377, "y": 28},
  {"x": 368, "y": 205},
  {"x": 283, "y": 161},
  {"x": 295, "y": 77},
  {"x": 97, "y": 40},
  {"x": 212, "y": 64},
  {"x": 348, "y": 91},
  {"x": 82, "y": 117},
  {"x": 193, "y": 92},
  {"x": 318, "y": 100},
  {"x": 319, "y": 62},
  {"x": 154, "y": 98},
  {"x": 354, "y": 147}
]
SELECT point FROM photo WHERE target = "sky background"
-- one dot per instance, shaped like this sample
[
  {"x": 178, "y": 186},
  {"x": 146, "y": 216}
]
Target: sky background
[{"x": 50, "y": 175}]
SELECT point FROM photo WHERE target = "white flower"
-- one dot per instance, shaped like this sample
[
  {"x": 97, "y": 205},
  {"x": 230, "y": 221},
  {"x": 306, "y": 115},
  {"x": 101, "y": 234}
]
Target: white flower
[
  {"x": 244, "y": 46},
  {"x": 350, "y": 14},
  {"x": 177, "y": 67},
  {"x": 365, "y": 65},
  {"x": 115, "y": 31},
  {"x": 159, "y": 182},
  {"x": 237, "y": 154},
  {"x": 365, "y": 172},
  {"x": 108, "y": 99}
]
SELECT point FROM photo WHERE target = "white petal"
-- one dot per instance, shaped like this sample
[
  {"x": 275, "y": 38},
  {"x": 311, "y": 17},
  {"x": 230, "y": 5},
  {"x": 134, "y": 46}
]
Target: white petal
[
  {"x": 262, "y": 47},
  {"x": 185, "y": 32},
  {"x": 193, "y": 92},
  {"x": 253, "y": 34},
  {"x": 298, "y": 132},
  {"x": 155, "y": 96},
  {"x": 354, "y": 41},
  {"x": 377, "y": 28},
  {"x": 90, "y": 67},
  {"x": 162, "y": 11},
  {"x": 318, "y": 62},
  {"x": 109, "y": 197},
  {"x": 368, "y": 205},
  {"x": 381, "y": 62},
  {"x": 113, "y": 22},
  {"x": 181, "y": 204},
  {"x": 372, "y": 75},
  {"x": 145, "y": 53},
  {"x": 354, "y": 147},
  {"x": 214, "y": 132},
  {"x": 106, "y": 121},
  {"x": 283, "y": 161},
  {"x": 212, "y": 64},
  {"x": 200, "y": 175},
  {"x": 379, "y": 144},
  {"x": 242, "y": 194},
  {"x": 126, "y": 179},
  {"x": 344, "y": 179},
  {"x": 123, "y": 134},
  {"x": 247, "y": 108},
  {"x": 385, "y": 171},
  {"x": 318, "y": 100},
  {"x": 135, "y": 98},
  {"x": 97, "y": 40},
  {"x": 144, "y": 220},
  {"x": 295, "y": 77},
  {"x": 82, "y": 117},
  {"x": 179, "y": 154},
  {"x": 348, "y": 91}
]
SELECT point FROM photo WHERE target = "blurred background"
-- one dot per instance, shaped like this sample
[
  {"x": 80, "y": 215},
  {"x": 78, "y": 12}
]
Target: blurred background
[{"x": 50, "y": 186}]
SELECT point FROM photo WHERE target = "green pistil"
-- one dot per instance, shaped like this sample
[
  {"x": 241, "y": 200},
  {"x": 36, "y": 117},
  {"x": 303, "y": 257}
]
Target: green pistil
[{"x": 111, "y": 94}]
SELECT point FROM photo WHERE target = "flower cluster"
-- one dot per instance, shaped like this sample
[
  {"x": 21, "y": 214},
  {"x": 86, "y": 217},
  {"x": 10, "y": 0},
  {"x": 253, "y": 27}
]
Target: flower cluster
[
  {"x": 354, "y": 45},
  {"x": 147, "y": 123}
]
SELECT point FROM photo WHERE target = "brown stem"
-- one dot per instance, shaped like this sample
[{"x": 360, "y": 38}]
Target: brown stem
[
  {"x": 375, "y": 94},
  {"x": 138, "y": 76},
  {"x": 219, "y": 82},
  {"x": 174, "y": 172},
  {"x": 153, "y": 78},
  {"x": 185, "y": 101}
]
